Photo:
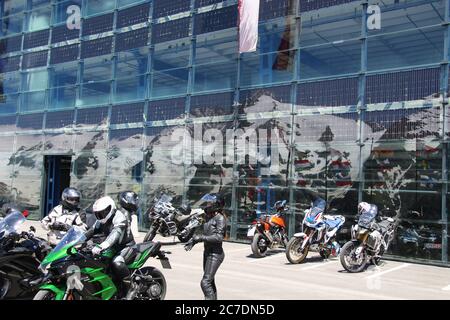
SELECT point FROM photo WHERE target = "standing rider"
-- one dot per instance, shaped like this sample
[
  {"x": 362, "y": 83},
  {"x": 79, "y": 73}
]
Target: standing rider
[
  {"x": 64, "y": 216},
  {"x": 213, "y": 233},
  {"x": 114, "y": 225}
]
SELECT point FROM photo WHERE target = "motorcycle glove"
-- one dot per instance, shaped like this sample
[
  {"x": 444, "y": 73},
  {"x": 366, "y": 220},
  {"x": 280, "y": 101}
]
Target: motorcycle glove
[
  {"x": 198, "y": 238},
  {"x": 97, "y": 250},
  {"x": 188, "y": 246}
]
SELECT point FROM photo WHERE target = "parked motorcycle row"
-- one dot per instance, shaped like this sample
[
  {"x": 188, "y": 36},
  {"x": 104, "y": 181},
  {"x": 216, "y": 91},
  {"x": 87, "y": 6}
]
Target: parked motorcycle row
[
  {"x": 32, "y": 268},
  {"x": 371, "y": 235}
]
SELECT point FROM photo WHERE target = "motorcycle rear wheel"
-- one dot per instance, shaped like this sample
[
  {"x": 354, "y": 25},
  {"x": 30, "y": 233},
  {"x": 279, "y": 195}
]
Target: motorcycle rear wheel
[
  {"x": 158, "y": 287},
  {"x": 45, "y": 295},
  {"x": 346, "y": 251},
  {"x": 293, "y": 253},
  {"x": 258, "y": 248}
]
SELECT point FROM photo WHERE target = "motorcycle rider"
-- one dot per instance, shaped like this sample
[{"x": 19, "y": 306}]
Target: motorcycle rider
[
  {"x": 114, "y": 225},
  {"x": 64, "y": 216},
  {"x": 364, "y": 207},
  {"x": 213, "y": 233}
]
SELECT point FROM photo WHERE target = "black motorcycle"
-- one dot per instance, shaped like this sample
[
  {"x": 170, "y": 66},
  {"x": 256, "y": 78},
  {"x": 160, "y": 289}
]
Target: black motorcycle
[
  {"x": 20, "y": 256},
  {"x": 166, "y": 220}
]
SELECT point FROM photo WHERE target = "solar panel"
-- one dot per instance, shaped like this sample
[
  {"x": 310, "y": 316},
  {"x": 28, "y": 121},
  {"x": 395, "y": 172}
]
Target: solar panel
[
  {"x": 164, "y": 8},
  {"x": 132, "y": 39},
  {"x": 62, "y": 33},
  {"x": 59, "y": 119},
  {"x": 36, "y": 39},
  {"x": 340, "y": 92},
  {"x": 127, "y": 113},
  {"x": 270, "y": 9},
  {"x": 308, "y": 5},
  {"x": 34, "y": 59},
  {"x": 98, "y": 24},
  {"x": 216, "y": 20},
  {"x": 249, "y": 98},
  {"x": 10, "y": 44},
  {"x": 92, "y": 116},
  {"x": 96, "y": 47},
  {"x": 9, "y": 64},
  {"x": 30, "y": 121},
  {"x": 64, "y": 54},
  {"x": 133, "y": 15},
  {"x": 203, "y": 3},
  {"x": 171, "y": 30},
  {"x": 212, "y": 105},
  {"x": 166, "y": 109}
]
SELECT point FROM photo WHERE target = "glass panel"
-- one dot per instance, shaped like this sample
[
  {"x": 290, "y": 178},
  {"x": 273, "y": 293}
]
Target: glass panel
[
  {"x": 212, "y": 105},
  {"x": 129, "y": 89},
  {"x": 96, "y": 47},
  {"x": 215, "y": 20},
  {"x": 9, "y": 103},
  {"x": 9, "y": 64},
  {"x": 63, "y": 97},
  {"x": 416, "y": 47},
  {"x": 97, "y": 69},
  {"x": 58, "y": 143},
  {"x": 12, "y": 25},
  {"x": 64, "y": 74},
  {"x": 166, "y": 109},
  {"x": 9, "y": 83},
  {"x": 127, "y": 113},
  {"x": 328, "y": 60},
  {"x": 59, "y": 119},
  {"x": 36, "y": 39},
  {"x": 13, "y": 6},
  {"x": 339, "y": 92},
  {"x": 265, "y": 100},
  {"x": 10, "y": 44},
  {"x": 92, "y": 116},
  {"x": 98, "y": 24},
  {"x": 7, "y": 123},
  {"x": 125, "y": 138},
  {"x": 171, "y": 30},
  {"x": 62, "y": 33},
  {"x": 132, "y": 39},
  {"x": 64, "y": 54},
  {"x": 98, "y": 6},
  {"x": 132, "y": 15},
  {"x": 95, "y": 93},
  {"x": 34, "y": 60},
  {"x": 215, "y": 76},
  {"x": 171, "y": 55},
  {"x": 33, "y": 101},
  {"x": 163, "y": 8},
  {"x": 61, "y": 10},
  {"x": 270, "y": 9},
  {"x": 39, "y": 19},
  {"x": 126, "y": 163},
  {"x": 165, "y": 137},
  {"x": 30, "y": 121},
  {"x": 131, "y": 63},
  {"x": 216, "y": 46},
  {"x": 169, "y": 83},
  {"x": 36, "y": 80},
  {"x": 90, "y": 140}
]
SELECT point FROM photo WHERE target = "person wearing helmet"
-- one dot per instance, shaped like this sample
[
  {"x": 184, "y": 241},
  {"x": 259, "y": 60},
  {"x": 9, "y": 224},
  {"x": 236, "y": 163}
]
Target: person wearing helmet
[
  {"x": 64, "y": 216},
  {"x": 364, "y": 207},
  {"x": 129, "y": 201},
  {"x": 114, "y": 225},
  {"x": 213, "y": 233}
]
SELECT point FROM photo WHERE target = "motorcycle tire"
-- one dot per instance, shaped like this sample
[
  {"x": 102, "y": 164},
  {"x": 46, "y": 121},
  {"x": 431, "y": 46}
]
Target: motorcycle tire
[
  {"x": 187, "y": 237},
  {"x": 345, "y": 252},
  {"x": 45, "y": 295},
  {"x": 158, "y": 289},
  {"x": 256, "y": 249},
  {"x": 292, "y": 249},
  {"x": 150, "y": 234},
  {"x": 325, "y": 253}
]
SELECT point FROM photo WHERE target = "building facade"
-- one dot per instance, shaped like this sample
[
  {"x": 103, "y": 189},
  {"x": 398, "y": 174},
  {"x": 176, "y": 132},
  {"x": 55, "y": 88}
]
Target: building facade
[{"x": 347, "y": 98}]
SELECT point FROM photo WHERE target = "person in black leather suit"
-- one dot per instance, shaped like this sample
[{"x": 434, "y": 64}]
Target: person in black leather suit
[{"x": 213, "y": 233}]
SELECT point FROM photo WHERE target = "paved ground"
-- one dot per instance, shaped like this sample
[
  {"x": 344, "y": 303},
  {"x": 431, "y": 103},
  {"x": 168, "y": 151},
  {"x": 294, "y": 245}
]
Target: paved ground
[{"x": 243, "y": 277}]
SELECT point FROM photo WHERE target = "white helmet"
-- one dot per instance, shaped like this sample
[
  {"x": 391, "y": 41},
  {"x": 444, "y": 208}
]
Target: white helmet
[
  {"x": 363, "y": 206},
  {"x": 104, "y": 208}
]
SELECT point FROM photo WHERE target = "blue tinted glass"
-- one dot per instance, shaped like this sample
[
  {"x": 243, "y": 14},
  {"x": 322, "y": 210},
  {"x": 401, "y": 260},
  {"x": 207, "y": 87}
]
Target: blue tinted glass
[
  {"x": 11, "y": 25},
  {"x": 129, "y": 89},
  {"x": 131, "y": 63},
  {"x": 216, "y": 46},
  {"x": 64, "y": 74},
  {"x": 59, "y": 119},
  {"x": 170, "y": 82},
  {"x": 216, "y": 20},
  {"x": 62, "y": 33},
  {"x": 10, "y": 44},
  {"x": 9, "y": 103},
  {"x": 30, "y": 121},
  {"x": 416, "y": 47},
  {"x": 171, "y": 30},
  {"x": 133, "y": 15},
  {"x": 127, "y": 113},
  {"x": 163, "y": 8},
  {"x": 212, "y": 105},
  {"x": 166, "y": 109},
  {"x": 98, "y": 24},
  {"x": 340, "y": 92},
  {"x": 13, "y": 6},
  {"x": 95, "y": 93},
  {"x": 97, "y": 69},
  {"x": 61, "y": 9},
  {"x": 215, "y": 76},
  {"x": 7, "y": 123},
  {"x": 64, "y": 54},
  {"x": 98, "y": 6},
  {"x": 32, "y": 101},
  {"x": 36, "y": 80},
  {"x": 9, "y": 83},
  {"x": 327, "y": 60},
  {"x": 39, "y": 19},
  {"x": 308, "y": 5},
  {"x": 95, "y": 116},
  {"x": 36, "y": 39},
  {"x": 96, "y": 47},
  {"x": 270, "y": 9},
  {"x": 171, "y": 55},
  {"x": 63, "y": 97},
  {"x": 35, "y": 59},
  {"x": 9, "y": 64},
  {"x": 132, "y": 39}
]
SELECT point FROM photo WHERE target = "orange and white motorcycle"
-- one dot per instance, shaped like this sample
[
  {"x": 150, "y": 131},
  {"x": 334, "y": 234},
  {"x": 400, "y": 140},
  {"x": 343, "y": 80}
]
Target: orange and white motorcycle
[{"x": 269, "y": 231}]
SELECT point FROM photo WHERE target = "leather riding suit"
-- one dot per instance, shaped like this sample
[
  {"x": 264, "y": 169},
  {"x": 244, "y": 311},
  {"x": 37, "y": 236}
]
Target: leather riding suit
[
  {"x": 213, "y": 255},
  {"x": 59, "y": 221},
  {"x": 120, "y": 238}
]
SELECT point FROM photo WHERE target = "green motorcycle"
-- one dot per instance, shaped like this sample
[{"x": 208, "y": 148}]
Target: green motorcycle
[{"x": 71, "y": 272}]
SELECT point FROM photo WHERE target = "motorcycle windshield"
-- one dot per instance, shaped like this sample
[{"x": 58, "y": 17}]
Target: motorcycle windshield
[
  {"x": 11, "y": 223},
  {"x": 164, "y": 199},
  {"x": 209, "y": 198},
  {"x": 366, "y": 218},
  {"x": 74, "y": 236},
  {"x": 314, "y": 215}
]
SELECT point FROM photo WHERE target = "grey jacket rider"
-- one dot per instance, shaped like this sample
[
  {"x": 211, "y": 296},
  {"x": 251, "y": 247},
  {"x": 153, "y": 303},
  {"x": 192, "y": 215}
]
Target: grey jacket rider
[
  {"x": 62, "y": 216},
  {"x": 118, "y": 232}
]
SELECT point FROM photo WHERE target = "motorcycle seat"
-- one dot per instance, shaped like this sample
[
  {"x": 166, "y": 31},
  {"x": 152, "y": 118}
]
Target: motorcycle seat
[{"x": 141, "y": 247}]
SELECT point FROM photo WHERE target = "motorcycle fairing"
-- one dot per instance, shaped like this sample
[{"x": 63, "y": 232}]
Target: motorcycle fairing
[{"x": 59, "y": 292}]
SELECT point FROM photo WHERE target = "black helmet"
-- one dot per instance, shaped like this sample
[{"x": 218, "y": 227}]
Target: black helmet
[
  {"x": 70, "y": 198},
  {"x": 129, "y": 200},
  {"x": 213, "y": 203}
]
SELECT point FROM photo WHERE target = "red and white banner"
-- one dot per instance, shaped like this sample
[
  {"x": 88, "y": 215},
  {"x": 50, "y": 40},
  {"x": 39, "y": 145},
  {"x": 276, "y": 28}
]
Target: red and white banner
[{"x": 248, "y": 25}]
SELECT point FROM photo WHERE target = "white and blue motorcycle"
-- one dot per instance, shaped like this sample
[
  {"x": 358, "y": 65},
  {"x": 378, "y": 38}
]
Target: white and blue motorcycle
[{"x": 319, "y": 234}]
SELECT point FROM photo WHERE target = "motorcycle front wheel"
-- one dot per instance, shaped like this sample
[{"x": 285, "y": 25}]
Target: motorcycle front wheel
[
  {"x": 151, "y": 233},
  {"x": 294, "y": 254},
  {"x": 259, "y": 246},
  {"x": 349, "y": 261},
  {"x": 45, "y": 295}
]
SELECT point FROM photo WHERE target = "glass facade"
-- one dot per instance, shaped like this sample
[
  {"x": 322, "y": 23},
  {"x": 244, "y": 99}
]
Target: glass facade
[{"x": 356, "y": 112}]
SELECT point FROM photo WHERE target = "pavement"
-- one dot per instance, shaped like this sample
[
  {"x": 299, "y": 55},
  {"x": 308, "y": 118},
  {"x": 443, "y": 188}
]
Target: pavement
[{"x": 242, "y": 276}]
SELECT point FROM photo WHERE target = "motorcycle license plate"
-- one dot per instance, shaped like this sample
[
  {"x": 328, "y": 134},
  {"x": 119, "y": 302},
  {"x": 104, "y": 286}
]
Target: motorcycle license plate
[
  {"x": 251, "y": 232},
  {"x": 165, "y": 263}
]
